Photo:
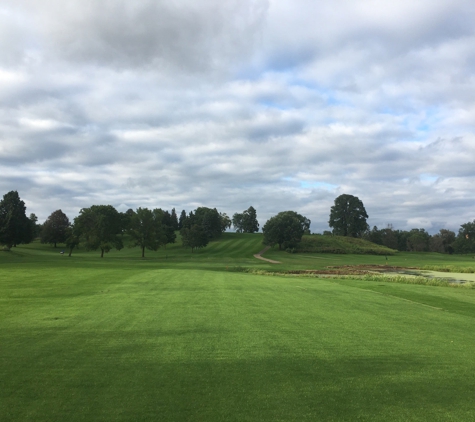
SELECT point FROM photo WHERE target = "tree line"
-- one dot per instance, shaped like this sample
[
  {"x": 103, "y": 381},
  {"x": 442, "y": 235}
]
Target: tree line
[
  {"x": 348, "y": 218},
  {"x": 102, "y": 227}
]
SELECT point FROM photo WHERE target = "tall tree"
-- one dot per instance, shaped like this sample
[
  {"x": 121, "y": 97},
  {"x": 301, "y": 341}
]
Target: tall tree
[
  {"x": 174, "y": 219},
  {"x": 100, "y": 227},
  {"x": 15, "y": 226},
  {"x": 126, "y": 218},
  {"x": 348, "y": 216},
  {"x": 225, "y": 221},
  {"x": 146, "y": 230},
  {"x": 72, "y": 239},
  {"x": 285, "y": 229},
  {"x": 442, "y": 242},
  {"x": 164, "y": 217},
  {"x": 249, "y": 221},
  {"x": 209, "y": 220},
  {"x": 55, "y": 228},
  {"x": 194, "y": 237},
  {"x": 389, "y": 237},
  {"x": 238, "y": 222},
  {"x": 35, "y": 227},
  {"x": 182, "y": 220},
  {"x": 465, "y": 242},
  {"x": 418, "y": 240}
]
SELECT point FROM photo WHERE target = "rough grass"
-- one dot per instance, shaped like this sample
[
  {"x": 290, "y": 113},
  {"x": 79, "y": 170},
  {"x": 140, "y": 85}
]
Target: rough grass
[
  {"x": 449, "y": 269},
  {"x": 178, "y": 337},
  {"x": 341, "y": 245}
]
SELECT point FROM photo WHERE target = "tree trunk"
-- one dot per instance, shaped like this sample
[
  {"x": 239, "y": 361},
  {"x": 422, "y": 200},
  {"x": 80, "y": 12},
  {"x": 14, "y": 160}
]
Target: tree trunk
[
  {"x": 143, "y": 251},
  {"x": 70, "y": 251},
  {"x": 102, "y": 253}
]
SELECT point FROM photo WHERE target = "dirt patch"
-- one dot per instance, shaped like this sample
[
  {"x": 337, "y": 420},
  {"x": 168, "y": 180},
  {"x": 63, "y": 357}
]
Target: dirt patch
[{"x": 258, "y": 256}]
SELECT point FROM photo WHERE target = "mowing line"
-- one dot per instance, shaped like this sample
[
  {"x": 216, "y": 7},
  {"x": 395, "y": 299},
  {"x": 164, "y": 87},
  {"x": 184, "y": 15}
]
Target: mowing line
[{"x": 387, "y": 294}]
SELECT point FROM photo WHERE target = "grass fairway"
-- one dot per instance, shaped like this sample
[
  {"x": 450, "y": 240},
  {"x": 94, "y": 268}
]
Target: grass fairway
[{"x": 176, "y": 337}]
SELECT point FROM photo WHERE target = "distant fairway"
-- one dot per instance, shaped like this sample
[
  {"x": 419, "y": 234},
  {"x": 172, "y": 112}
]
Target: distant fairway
[{"x": 179, "y": 337}]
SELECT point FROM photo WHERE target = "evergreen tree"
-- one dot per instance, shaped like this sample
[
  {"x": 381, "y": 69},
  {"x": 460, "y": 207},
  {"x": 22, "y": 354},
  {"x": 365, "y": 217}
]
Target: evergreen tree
[
  {"x": 182, "y": 220},
  {"x": 174, "y": 220}
]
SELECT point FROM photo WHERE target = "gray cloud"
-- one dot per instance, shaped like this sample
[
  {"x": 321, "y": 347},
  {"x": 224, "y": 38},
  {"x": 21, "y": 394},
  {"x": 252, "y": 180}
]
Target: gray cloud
[
  {"x": 154, "y": 34},
  {"x": 280, "y": 105}
]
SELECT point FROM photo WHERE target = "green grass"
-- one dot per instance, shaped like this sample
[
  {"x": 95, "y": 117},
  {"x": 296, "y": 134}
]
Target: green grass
[{"x": 179, "y": 337}]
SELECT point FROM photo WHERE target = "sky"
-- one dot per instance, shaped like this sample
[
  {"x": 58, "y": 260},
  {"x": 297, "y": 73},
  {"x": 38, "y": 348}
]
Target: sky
[{"x": 278, "y": 104}]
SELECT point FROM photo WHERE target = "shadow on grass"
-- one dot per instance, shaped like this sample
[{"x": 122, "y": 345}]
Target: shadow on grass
[{"x": 107, "y": 387}]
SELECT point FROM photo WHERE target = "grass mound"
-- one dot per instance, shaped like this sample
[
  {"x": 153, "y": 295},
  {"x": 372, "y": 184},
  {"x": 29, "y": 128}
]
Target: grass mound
[{"x": 341, "y": 245}]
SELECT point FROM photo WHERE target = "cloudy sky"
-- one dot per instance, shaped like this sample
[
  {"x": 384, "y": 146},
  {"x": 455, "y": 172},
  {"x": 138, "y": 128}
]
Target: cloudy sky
[{"x": 279, "y": 104}]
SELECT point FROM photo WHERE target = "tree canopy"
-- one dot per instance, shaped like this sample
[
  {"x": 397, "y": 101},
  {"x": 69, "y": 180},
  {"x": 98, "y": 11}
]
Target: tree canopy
[
  {"x": 15, "y": 226},
  {"x": 194, "y": 237},
  {"x": 55, "y": 228},
  {"x": 100, "y": 227},
  {"x": 348, "y": 216},
  {"x": 168, "y": 230},
  {"x": 465, "y": 241},
  {"x": 285, "y": 229},
  {"x": 246, "y": 222},
  {"x": 146, "y": 230}
]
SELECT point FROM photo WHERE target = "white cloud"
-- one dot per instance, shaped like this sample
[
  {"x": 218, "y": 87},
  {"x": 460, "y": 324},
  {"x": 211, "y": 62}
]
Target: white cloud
[{"x": 277, "y": 104}]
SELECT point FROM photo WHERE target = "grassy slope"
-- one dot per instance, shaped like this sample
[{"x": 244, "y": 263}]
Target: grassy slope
[
  {"x": 180, "y": 338},
  {"x": 341, "y": 245}
]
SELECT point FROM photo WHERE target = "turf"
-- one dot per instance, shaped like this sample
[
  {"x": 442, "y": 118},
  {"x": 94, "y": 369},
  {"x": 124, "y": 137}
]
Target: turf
[{"x": 178, "y": 337}]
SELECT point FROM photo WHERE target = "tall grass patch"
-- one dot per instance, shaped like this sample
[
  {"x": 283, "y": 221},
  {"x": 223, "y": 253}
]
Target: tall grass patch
[{"x": 340, "y": 245}]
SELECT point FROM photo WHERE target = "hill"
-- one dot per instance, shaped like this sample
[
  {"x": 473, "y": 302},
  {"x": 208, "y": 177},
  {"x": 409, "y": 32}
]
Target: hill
[{"x": 341, "y": 245}]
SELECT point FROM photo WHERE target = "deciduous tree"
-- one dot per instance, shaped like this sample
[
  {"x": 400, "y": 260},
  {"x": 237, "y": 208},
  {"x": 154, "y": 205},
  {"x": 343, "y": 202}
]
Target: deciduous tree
[
  {"x": 348, "y": 216},
  {"x": 15, "y": 226},
  {"x": 169, "y": 235},
  {"x": 249, "y": 221},
  {"x": 225, "y": 221},
  {"x": 194, "y": 237},
  {"x": 55, "y": 228},
  {"x": 442, "y": 242},
  {"x": 209, "y": 220},
  {"x": 285, "y": 229},
  {"x": 465, "y": 242},
  {"x": 146, "y": 230},
  {"x": 418, "y": 240},
  {"x": 238, "y": 222},
  {"x": 72, "y": 239},
  {"x": 100, "y": 227}
]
